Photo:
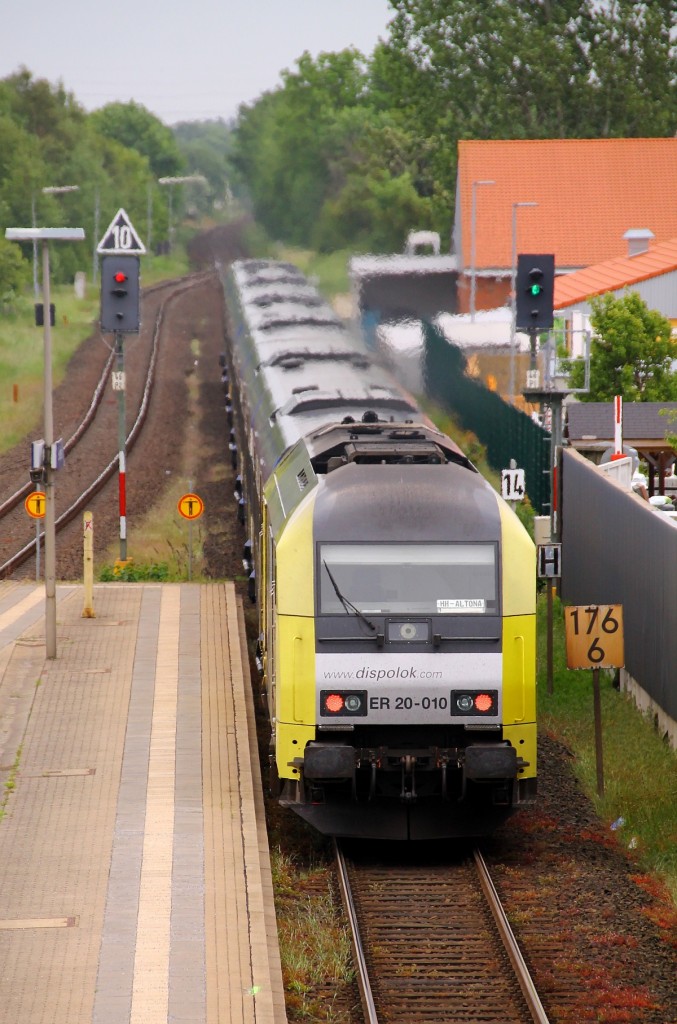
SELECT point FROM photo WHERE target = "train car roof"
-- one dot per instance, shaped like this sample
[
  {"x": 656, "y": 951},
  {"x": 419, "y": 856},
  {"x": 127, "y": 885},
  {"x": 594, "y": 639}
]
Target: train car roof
[
  {"x": 290, "y": 314},
  {"x": 271, "y": 292},
  {"x": 307, "y": 336}
]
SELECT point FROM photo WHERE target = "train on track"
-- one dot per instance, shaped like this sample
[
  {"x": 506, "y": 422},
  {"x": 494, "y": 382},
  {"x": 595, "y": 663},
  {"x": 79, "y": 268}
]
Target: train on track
[{"x": 395, "y": 589}]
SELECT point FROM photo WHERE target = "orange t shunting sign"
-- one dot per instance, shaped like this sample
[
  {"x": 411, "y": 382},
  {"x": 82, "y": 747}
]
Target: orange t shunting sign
[
  {"x": 191, "y": 506},
  {"x": 35, "y": 504}
]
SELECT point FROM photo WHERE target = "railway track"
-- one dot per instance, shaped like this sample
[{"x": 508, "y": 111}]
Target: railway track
[
  {"x": 93, "y": 431},
  {"x": 431, "y": 943}
]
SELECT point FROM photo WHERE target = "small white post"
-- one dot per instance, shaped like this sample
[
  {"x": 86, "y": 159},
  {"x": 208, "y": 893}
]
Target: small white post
[{"x": 88, "y": 553}]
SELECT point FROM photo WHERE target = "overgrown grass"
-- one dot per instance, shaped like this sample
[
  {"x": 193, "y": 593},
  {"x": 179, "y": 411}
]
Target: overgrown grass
[
  {"x": 640, "y": 768},
  {"x": 10, "y": 783},
  {"x": 314, "y": 944},
  {"x": 162, "y": 268},
  {"x": 162, "y": 544},
  {"x": 330, "y": 270},
  {"x": 22, "y": 358}
]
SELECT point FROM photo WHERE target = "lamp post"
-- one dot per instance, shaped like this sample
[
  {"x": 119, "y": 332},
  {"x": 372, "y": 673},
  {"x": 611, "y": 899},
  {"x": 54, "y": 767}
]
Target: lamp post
[
  {"x": 513, "y": 311},
  {"x": 171, "y": 182},
  {"x": 45, "y": 235},
  {"x": 473, "y": 225}
]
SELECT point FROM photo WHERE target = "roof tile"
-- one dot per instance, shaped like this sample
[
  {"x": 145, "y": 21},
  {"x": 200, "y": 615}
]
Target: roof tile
[{"x": 614, "y": 274}]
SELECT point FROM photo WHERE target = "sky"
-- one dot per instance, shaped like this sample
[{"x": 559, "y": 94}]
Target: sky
[{"x": 184, "y": 60}]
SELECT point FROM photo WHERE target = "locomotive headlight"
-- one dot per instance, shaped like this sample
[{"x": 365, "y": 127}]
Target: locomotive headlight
[
  {"x": 464, "y": 702},
  {"x": 353, "y": 703}
]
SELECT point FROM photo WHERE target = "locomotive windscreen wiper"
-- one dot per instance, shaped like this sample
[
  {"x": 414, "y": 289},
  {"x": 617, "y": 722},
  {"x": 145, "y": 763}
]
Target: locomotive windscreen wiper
[{"x": 348, "y": 605}]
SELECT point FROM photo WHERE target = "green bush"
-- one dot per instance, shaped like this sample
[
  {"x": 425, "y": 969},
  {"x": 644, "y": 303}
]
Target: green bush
[{"x": 155, "y": 572}]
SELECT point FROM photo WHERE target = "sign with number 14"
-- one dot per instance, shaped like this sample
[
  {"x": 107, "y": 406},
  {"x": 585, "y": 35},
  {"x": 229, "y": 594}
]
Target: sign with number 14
[{"x": 594, "y": 636}]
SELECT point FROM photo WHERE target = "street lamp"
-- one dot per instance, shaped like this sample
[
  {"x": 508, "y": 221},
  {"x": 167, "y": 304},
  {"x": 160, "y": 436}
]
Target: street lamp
[
  {"x": 473, "y": 224},
  {"x": 45, "y": 235},
  {"x": 513, "y": 281},
  {"x": 181, "y": 180},
  {"x": 50, "y": 190}
]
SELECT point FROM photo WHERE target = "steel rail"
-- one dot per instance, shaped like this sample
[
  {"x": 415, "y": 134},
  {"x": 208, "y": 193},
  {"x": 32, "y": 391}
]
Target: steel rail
[
  {"x": 27, "y": 550},
  {"x": 23, "y": 492},
  {"x": 367, "y": 998},
  {"x": 510, "y": 943}
]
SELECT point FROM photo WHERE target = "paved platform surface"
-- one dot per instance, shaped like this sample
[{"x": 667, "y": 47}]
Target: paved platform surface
[{"x": 134, "y": 874}]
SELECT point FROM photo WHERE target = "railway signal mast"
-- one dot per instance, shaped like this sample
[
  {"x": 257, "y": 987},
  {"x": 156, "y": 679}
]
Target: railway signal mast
[
  {"x": 120, "y": 249},
  {"x": 49, "y": 451}
]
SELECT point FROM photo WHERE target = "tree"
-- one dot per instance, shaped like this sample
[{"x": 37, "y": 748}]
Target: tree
[
  {"x": 134, "y": 127},
  {"x": 632, "y": 352},
  {"x": 14, "y": 273},
  {"x": 541, "y": 68},
  {"x": 206, "y": 147}
]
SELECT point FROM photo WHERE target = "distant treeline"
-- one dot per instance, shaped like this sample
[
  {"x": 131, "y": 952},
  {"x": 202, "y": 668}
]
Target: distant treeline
[
  {"x": 351, "y": 150},
  {"x": 114, "y": 156}
]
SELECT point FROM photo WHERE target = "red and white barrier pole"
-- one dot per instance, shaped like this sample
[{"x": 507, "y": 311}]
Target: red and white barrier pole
[
  {"x": 618, "y": 428},
  {"x": 122, "y": 492}
]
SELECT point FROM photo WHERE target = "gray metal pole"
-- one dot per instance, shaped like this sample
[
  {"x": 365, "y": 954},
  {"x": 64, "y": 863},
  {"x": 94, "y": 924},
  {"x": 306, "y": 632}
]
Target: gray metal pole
[
  {"x": 473, "y": 225},
  {"x": 513, "y": 296},
  {"x": 50, "y": 512},
  {"x": 149, "y": 218},
  {"x": 36, "y": 289},
  {"x": 513, "y": 303},
  {"x": 95, "y": 255},
  {"x": 473, "y": 228},
  {"x": 597, "y": 710}
]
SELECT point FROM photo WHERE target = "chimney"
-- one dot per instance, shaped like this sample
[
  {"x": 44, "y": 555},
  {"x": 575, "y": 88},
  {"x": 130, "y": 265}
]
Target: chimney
[{"x": 638, "y": 240}]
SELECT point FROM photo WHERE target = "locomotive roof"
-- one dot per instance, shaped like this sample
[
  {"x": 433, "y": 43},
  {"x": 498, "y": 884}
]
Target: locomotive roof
[
  {"x": 369, "y": 446},
  {"x": 388, "y": 501}
]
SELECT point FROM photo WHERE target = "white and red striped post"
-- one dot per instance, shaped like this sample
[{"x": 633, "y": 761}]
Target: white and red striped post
[
  {"x": 120, "y": 384},
  {"x": 122, "y": 494},
  {"x": 618, "y": 428},
  {"x": 618, "y": 425}
]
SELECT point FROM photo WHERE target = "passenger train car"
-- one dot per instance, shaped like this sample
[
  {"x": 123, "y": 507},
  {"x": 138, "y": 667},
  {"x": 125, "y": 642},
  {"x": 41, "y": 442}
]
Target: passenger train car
[{"x": 395, "y": 589}]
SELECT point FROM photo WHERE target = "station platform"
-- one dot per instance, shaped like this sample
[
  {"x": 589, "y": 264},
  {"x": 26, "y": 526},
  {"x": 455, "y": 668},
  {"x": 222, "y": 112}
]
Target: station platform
[{"x": 135, "y": 881}]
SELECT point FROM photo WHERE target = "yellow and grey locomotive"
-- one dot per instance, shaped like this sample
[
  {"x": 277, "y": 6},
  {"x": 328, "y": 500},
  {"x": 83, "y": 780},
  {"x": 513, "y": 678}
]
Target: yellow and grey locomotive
[{"x": 395, "y": 588}]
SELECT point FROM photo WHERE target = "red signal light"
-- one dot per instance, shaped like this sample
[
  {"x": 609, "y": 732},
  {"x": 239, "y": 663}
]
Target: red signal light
[
  {"x": 120, "y": 277},
  {"x": 483, "y": 702},
  {"x": 334, "y": 702}
]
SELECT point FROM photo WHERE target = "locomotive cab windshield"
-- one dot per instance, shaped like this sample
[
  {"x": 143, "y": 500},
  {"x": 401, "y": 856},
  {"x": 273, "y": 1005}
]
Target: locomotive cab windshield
[{"x": 410, "y": 579}]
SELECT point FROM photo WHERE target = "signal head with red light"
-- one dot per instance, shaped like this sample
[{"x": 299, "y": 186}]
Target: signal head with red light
[{"x": 120, "y": 294}]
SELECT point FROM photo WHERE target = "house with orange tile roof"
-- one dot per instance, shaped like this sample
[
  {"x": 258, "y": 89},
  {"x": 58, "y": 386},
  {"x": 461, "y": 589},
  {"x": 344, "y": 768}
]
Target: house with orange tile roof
[
  {"x": 576, "y": 198},
  {"x": 651, "y": 272}
]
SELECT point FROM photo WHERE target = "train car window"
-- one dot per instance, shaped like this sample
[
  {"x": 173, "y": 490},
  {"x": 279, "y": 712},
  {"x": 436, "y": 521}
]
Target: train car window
[{"x": 422, "y": 579}]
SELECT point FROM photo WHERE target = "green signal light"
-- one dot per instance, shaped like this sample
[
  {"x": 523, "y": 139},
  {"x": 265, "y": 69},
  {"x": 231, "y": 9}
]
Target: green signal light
[{"x": 536, "y": 289}]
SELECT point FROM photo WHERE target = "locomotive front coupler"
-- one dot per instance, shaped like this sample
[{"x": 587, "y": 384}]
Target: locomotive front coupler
[{"x": 408, "y": 763}]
